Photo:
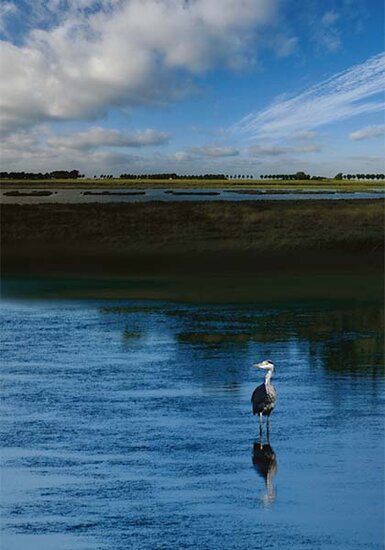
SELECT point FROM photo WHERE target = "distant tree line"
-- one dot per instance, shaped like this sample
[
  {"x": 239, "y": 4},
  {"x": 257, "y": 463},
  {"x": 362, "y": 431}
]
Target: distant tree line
[
  {"x": 172, "y": 176},
  {"x": 74, "y": 174},
  {"x": 341, "y": 176},
  {"x": 57, "y": 174},
  {"x": 240, "y": 176},
  {"x": 304, "y": 176},
  {"x": 287, "y": 177}
]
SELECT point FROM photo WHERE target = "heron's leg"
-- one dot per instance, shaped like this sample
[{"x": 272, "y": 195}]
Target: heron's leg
[
  {"x": 260, "y": 425},
  {"x": 268, "y": 428}
]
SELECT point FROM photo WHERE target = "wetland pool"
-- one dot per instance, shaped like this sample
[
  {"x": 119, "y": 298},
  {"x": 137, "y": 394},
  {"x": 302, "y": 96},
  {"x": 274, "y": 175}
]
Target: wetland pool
[
  {"x": 123, "y": 195},
  {"x": 127, "y": 424}
]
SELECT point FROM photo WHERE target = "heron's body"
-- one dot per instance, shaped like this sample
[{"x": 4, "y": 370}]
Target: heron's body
[
  {"x": 264, "y": 396},
  {"x": 263, "y": 399}
]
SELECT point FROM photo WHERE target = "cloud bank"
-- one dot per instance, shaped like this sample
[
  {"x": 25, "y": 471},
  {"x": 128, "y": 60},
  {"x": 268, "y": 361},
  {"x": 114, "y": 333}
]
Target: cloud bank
[
  {"x": 103, "y": 137},
  {"x": 215, "y": 152},
  {"x": 275, "y": 150},
  {"x": 92, "y": 151},
  {"x": 98, "y": 55}
]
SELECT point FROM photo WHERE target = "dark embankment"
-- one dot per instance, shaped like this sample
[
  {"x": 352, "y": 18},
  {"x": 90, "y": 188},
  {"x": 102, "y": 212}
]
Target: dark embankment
[{"x": 194, "y": 240}]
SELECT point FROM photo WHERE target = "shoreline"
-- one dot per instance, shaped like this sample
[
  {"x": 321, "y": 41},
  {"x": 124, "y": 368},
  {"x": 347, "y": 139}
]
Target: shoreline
[
  {"x": 278, "y": 289},
  {"x": 179, "y": 184}
]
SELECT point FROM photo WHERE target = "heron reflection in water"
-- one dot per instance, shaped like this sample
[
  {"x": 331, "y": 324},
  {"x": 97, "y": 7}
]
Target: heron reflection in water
[
  {"x": 265, "y": 464},
  {"x": 264, "y": 396}
]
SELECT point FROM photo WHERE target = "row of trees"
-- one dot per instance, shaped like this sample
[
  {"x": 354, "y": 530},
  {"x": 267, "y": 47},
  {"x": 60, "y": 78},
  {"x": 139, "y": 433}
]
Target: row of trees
[
  {"x": 303, "y": 176},
  {"x": 172, "y": 176},
  {"x": 239, "y": 176},
  {"x": 74, "y": 174},
  {"x": 296, "y": 176},
  {"x": 57, "y": 174},
  {"x": 341, "y": 176}
]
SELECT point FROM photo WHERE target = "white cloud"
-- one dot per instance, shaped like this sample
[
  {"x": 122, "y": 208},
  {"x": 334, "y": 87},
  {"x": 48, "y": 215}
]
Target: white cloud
[
  {"x": 98, "y": 137},
  {"x": 330, "y": 17},
  {"x": 330, "y": 40},
  {"x": 325, "y": 32},
  {"x": 7, "y": 9},
  {"x": 204, "y": 152},
  {"x": 285, "y": 45},
  {"x": 304, "y": 136},
  {"x": 215, "y": 152},
  {"x": 22, "y": 140},
  {"x": 371, "y": 160},
  {"x": 277, "y": 150},
  {"x": 271, "y": 150},
  {"x": 126, "y": 53},
  {"x": 44, "y": 159},
  {"x": 347, "y": 94},
  {"x": 181, "y": 156},
  {"x": 368, "y": 132}
]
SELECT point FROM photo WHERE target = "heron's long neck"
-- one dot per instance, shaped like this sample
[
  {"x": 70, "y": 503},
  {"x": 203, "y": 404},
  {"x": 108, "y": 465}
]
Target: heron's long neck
[{"x": 268, "y": 376}]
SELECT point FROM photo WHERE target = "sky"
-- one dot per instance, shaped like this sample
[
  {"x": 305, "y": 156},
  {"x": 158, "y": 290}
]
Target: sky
[{"x": 192, "y": 86}]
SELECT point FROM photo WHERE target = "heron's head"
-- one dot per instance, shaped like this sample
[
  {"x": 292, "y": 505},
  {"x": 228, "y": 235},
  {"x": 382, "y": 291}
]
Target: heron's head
[{"x": 266, "y": 365}]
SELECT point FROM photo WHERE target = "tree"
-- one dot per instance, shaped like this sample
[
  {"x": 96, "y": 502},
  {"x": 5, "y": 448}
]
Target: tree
[{"x": 301, "y": 176}]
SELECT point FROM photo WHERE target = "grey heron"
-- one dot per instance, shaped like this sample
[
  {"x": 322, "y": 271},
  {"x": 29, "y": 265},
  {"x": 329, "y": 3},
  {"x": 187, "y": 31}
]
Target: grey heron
[{"x": 264, "y": 396}]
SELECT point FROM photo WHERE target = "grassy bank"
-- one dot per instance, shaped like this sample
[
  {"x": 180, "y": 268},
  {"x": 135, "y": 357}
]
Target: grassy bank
[
  {"x": 188, "y": 240},
  {"x": 263, "y": 226}
]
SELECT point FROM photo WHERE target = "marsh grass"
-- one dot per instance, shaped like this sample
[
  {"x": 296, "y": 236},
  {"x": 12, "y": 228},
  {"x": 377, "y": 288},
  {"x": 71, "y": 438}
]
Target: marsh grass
[
  {"x": 199, "y": 251},
  {"x": 262, "y": 226}
]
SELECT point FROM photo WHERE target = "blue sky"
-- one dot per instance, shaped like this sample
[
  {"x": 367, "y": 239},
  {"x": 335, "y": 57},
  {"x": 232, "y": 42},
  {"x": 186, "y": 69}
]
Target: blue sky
[{"x": 193, "y": 86}]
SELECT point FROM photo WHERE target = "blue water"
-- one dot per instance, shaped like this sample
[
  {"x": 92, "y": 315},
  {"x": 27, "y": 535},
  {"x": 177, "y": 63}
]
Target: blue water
[
  {"x": 128, "y": 425},
  {"x": 75, "y": 196}
]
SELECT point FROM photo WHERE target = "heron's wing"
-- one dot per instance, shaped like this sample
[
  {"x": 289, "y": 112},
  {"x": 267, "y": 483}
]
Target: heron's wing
[{"x": 258, "y": 397}]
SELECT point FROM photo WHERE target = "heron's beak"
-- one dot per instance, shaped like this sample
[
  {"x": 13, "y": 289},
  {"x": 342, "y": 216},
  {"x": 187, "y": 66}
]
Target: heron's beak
[{"x": 258, "y": 366}]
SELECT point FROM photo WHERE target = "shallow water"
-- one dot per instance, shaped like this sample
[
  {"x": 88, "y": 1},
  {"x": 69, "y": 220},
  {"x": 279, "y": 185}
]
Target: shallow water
[
  {"x": 127, "y": 424},
  {"x": 81, "y": 196}
]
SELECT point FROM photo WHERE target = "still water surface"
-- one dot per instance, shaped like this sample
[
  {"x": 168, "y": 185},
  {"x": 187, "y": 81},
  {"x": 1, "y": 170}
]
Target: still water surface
[
  {"x": 83, "y": 196},
  {"x": 127, "y": 424}
]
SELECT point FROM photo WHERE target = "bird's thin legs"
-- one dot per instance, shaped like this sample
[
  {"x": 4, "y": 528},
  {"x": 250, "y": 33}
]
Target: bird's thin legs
[
  {"x": 260, "y": 425},
  {"x": 267, "y": 427}
]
